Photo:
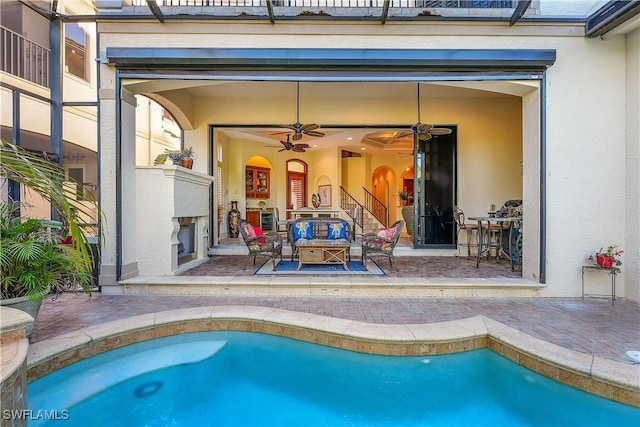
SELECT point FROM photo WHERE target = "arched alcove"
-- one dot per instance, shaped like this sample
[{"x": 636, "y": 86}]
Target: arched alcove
[{"x": 383, "y": 183}]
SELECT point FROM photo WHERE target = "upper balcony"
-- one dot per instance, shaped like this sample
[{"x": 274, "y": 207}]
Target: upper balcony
[
  {"x": 23, "y": 58},
  {"x": 309, "y": 9},
  {"x": 598, "y": 16}
]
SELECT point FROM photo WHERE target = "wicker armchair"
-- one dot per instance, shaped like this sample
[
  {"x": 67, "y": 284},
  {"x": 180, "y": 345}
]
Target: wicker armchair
[
  {"x": 269, "y": 244},
  {"x": 382, "y": 243}
]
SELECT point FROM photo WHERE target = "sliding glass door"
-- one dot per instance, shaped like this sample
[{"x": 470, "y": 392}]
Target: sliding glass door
[{"x": 435, "y": 190}]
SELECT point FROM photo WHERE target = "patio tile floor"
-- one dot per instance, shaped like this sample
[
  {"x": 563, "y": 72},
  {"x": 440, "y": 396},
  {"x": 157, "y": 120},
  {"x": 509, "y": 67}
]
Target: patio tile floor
[{"x": 593, "y": 326}]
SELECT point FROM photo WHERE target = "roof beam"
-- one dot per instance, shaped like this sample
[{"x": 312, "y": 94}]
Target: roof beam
[
  {"x": 272, "y": 17},
  {"x": 519, "y": 12},
  {"x": 155, "y": 9},
  {"x": 416, "y": 60},
  {"x": 385, "y": 11},
  {"x": 610, "y": 16}
]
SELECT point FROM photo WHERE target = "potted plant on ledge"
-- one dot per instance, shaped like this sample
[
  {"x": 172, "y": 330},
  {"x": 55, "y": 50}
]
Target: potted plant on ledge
[
  {"x": 182, "y": 157},
  {"x": 403, "y": 196},
  {"x": 607, "y": 257}
]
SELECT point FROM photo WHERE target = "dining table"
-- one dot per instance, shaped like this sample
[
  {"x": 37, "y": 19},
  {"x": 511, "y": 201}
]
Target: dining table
[{"x": 484, "y": 226}]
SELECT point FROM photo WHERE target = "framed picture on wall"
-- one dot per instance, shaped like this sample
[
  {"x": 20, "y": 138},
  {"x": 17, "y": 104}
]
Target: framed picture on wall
[{"x": 325, "y": 195}]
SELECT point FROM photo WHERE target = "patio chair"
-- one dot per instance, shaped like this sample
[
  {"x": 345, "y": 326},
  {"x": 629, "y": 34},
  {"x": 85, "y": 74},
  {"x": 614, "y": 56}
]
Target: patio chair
[
  {"x": 269, "y": 244},
  {"x": 280, "y": 223},
  {"x": 382, "y": 243},
  {"x": 471, "y": 230}
]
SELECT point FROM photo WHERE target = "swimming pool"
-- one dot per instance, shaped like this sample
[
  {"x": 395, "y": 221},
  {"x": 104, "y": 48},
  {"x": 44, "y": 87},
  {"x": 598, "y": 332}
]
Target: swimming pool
[{"x": 244, "y": 378}]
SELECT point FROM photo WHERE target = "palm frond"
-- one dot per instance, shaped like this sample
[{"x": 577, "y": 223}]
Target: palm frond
[{"x": 47, "y": 179}]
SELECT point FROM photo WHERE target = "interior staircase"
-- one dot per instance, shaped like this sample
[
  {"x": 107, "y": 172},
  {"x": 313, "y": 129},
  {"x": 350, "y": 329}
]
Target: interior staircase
[{"x": 369, "y": 225}]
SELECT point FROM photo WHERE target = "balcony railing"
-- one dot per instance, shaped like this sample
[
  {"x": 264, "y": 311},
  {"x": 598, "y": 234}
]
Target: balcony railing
[
  {"x": 24, "y": 58},
  {"x": 452, "y": 4}
]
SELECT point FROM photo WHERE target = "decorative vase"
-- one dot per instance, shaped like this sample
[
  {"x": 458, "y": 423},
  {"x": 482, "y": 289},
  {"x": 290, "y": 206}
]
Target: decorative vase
[
  {"x": 605, "y": 261},
  {"x": 408, "y": 216},
  {"x": 234, "y": 219},
  {"x": 186, "y": 162},
  {"x": 315, "y": 200}
]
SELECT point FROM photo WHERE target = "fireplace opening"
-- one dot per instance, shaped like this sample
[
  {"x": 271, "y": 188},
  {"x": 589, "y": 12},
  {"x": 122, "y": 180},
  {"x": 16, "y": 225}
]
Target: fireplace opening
[{"x": 187, "y": 239}]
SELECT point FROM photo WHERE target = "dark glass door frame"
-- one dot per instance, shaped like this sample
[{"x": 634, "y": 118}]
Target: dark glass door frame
[{"x": 423, "y": 213}]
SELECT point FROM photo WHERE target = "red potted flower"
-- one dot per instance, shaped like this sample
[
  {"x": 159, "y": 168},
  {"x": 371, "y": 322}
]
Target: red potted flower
[{"x": 607, "y": 258}]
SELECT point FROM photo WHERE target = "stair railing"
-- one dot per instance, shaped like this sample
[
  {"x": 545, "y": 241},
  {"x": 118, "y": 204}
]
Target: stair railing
[
  {"x": 378, "y": 209},
  {"x": 353, "y": 208}
]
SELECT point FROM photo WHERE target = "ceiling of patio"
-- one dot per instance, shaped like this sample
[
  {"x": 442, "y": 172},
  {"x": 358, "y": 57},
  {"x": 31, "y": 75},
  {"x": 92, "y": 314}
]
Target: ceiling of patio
[{"x": 373, "y": 139}]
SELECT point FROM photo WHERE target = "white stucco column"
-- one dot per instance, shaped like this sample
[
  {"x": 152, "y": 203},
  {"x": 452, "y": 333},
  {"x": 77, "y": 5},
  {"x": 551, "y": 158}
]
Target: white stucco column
[
  {"x": 109, "y": 190},
  {"x": 632, "y": 168},
  {"x": 531, "y": 185}
]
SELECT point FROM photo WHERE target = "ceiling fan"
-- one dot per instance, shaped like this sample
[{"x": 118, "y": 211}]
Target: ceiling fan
[
  {"x": 290, "y": 146},
  {"x": 423, "y": 131},
  {"x": 298, "y": 128}
]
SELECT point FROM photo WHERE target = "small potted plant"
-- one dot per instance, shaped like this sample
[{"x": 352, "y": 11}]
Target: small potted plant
[
  {"x": 607, "y": 257},
  {"x": 404, "y": 197},
  {"x": 182, "y": 157}
]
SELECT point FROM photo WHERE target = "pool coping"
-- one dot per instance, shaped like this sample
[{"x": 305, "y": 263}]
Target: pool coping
[{"x": 606, "y": 378}]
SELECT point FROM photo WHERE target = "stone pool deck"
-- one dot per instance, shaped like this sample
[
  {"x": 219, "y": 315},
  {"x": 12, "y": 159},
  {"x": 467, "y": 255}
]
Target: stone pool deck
[{"x": 581, "y": 343}]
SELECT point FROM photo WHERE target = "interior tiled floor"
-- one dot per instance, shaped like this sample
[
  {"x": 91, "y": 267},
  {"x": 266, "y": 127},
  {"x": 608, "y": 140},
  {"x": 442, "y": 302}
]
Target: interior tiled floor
[{"x": 414, "y": 266}]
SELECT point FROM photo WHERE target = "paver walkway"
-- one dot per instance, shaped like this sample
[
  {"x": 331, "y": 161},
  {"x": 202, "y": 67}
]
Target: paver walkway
[{"x": 593, "y": 326}]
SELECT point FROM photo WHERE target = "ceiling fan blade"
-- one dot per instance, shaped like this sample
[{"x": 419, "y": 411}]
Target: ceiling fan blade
[
  {"x": 310, "y": 126},
  {"x": 298, "y": 150},
  {"x": 440, "y": 131},
  {"x": 314, "y": 133},
  {"x": 282, "y": 149},
  {"x": 301, "y": 146},
  {"x": 423, "y": 127},
  {"x": 297, "y": 136},
  {"x": 423, "y": 136}
]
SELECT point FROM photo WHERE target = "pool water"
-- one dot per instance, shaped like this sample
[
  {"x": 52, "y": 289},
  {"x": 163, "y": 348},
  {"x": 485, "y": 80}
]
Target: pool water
[{"x": 250, "y": 379}]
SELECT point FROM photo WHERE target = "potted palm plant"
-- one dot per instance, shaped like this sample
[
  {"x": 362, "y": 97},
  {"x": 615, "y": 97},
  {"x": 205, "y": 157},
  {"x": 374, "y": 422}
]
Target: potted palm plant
[
  {"x": 33, "y": 262},
  {"x": 403, "y": 196}
]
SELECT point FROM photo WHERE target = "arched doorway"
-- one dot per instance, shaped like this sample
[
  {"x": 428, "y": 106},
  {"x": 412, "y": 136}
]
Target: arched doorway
[
  {"x": 296, "y": 184},
  {"x": 383, "y": 181}
]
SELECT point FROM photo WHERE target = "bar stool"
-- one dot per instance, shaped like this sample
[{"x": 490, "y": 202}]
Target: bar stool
[
  {"x": 280, "y": 224},
  {"x": 470, "y": 229}
]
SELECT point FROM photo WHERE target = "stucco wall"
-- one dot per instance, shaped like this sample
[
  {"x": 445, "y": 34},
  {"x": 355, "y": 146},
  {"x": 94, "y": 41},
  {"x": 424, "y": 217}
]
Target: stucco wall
[
  {"x": 585, "y": 113},
  {"x": 632, "y": 168}
]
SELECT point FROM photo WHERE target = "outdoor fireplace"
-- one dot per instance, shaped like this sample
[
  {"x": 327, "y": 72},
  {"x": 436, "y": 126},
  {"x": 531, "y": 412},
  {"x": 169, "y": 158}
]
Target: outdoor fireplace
[{"x": 186, "y": 239}]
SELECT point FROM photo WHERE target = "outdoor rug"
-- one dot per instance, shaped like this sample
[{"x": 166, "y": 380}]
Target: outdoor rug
[{"x": 291, "y": 268}]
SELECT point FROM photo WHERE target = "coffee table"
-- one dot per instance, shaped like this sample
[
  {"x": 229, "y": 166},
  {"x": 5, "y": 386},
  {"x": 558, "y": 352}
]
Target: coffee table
[{"x": 320, "y": 251}]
